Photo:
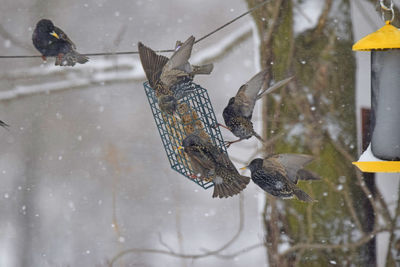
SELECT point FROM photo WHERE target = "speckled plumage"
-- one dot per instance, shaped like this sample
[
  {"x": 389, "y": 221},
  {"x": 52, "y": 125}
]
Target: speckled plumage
[
  {"x": 51, "y": 41},
  {"x": 278, "y": 175},
  {"x": 171, "y": 76},
  {"x": 227, "y": 180},
  {"x": 238, "y": 113}
]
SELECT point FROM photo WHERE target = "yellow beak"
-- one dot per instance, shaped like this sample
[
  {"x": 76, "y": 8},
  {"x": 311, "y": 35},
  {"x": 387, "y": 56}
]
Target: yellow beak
[
  {"x": 179, "y": 149},
  {"x": 243, "y": 168},
  {"x": 53, "y": 33}
]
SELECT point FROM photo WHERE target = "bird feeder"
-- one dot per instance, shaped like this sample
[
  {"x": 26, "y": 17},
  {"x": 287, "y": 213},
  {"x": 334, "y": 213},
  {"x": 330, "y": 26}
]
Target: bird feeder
[
  {"x": 384, "y": 45},
  {"x": 195, "y": 114}
]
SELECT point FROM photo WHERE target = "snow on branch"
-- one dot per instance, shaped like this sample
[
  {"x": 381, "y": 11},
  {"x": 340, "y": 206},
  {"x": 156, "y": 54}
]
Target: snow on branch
[{"x": 47, "y": 78}]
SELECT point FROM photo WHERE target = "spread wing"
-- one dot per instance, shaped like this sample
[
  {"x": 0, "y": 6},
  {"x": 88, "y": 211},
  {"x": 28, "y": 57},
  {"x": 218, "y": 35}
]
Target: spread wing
[
  {"x": 152, "y": 63},
  {"x": 179, "y": 60},
  {"x": 292, "y": 163},
  {"x": 63, "y": 36},
  {"x": 246, "y": 97}
]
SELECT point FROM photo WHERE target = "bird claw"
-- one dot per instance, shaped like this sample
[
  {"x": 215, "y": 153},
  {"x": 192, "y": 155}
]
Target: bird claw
[
  {"x": 193, "y": 176},
  {"x": 228, "y": 143}
]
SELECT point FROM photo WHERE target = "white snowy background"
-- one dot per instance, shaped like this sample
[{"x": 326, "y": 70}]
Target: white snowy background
[{"x": 82, "y": 169}]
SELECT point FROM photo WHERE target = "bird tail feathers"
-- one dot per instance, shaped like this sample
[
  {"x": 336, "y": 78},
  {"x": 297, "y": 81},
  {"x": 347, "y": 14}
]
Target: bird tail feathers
[
  {"x": 223, "y": 190},
  {"x": 70, "y": 59},
  {"x": 307, "y": 175},
  {"x": 301, "y": 195},
  {"x": 203, "y": 69},
  {"x": 81, "y": 59},
  {"x": 258, "y": 137}
]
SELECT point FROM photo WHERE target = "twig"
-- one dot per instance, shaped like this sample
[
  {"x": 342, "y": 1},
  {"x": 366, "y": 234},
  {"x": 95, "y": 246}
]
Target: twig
[
  {"x": 393, "y": 227},
  {"x": 183, "y": 255},
  {"x": 322, "y": 18},
  {"x": 163, "y": 243},
  {"x": 318, "y": 246}
]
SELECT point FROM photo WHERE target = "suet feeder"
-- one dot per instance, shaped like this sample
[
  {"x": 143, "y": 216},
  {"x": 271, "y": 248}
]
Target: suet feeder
[
  {"x": 195, "y": 114},
  {"x": 384, "y": 45}
]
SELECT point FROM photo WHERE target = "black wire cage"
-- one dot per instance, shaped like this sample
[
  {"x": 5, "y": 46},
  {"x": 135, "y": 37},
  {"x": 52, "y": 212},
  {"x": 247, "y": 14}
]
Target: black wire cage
[{"x": 196, "y": 114}]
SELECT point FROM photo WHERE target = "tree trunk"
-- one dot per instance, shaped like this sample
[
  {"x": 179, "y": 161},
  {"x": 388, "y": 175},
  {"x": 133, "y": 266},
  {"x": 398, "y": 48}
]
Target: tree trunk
[{"x": 316, "y": 114}]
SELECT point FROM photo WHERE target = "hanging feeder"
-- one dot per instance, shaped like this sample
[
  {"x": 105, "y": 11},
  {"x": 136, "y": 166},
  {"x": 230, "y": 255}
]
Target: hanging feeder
[
  {"x": 196, "y": 115},
  {"x": 383, "y": 153}
]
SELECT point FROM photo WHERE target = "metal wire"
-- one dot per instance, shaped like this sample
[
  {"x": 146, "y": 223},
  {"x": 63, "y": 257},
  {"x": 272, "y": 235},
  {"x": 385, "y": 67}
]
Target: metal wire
[
  {"x": 172, "y": 132},
  {"x": 158, "y": 51}
]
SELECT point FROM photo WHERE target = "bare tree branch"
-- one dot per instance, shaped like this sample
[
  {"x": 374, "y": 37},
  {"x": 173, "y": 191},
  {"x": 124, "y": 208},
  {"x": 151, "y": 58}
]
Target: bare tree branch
[{"x": 170, "y": 252}]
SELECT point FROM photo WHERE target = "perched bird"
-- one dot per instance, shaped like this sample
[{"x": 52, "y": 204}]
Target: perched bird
[
  {"x": 237, "y": 114},
  {"x": 51, "y": 41},
  {"x": 196, "y": 149},
  {"x": 171, "y": 77},
  {"x": 210, "y": 160},
  {"x": 278, "y": 174}
]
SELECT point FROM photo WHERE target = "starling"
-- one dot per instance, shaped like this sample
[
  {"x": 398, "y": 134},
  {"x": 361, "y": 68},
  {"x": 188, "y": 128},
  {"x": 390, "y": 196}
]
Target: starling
[
  {"x": 171, "y": 77},
  {"x": 212, "y": 160},
  {"x": 51, "y": 41},
  {"x": 202, "y": 163},
  {"x": 278, "y": 174},
  {"x": 237, "y": 114}
]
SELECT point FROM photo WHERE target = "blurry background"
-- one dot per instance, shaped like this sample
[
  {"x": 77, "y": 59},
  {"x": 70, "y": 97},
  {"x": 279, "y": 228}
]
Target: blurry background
[{"x": 84, "y": 176}]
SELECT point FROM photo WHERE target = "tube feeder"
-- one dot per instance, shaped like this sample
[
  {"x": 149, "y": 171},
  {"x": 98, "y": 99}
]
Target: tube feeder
[{"x": 383, "y": 153}]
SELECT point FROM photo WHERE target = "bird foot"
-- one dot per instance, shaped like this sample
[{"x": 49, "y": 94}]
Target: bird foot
[
  {"x": 193, "y": 176},
  {"x": 229, "y": 143},
  {"x": 219, "y": 124}
]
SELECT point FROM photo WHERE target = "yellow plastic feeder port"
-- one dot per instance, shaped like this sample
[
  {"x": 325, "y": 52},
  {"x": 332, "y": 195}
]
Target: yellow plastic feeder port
[
  {"x": 387, "y": 37},
  {"x": 378, "y": 166},
  {"x": 383, "y": 153}
]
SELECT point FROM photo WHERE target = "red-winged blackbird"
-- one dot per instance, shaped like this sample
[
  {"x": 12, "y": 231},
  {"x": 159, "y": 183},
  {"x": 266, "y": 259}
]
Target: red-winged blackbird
[
  {"x": 171, "y": 77},
  {"x": 237, "y": 114},
  {"x": 278, "y": 174},
  {"x": 212, "y": 160},
  {"x": 53, "y": 42}
]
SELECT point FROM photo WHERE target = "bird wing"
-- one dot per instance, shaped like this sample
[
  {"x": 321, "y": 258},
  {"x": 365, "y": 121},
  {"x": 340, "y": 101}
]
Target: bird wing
[
  {"x": 180, "y": 58},
  {"x": 274, "y": 87},
  {"x": 246, "y": 96},
  {"x": 272, "y": 165},
  {"x": 63, "y": 36},
  {"x": 292, "y": 163},
  {"x": 202, "y": 159},
  {"x": 152, "y": 63}
]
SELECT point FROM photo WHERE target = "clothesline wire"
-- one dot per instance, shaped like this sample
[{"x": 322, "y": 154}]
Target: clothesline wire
[{"x": 158, "y": 51}]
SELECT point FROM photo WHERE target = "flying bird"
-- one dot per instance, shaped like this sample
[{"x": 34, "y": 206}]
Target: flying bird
[
  {"x": 278, "y": 174},
  {"x": 51, "y": 41},
  {"x": 171, "y": 77},
  {"x": 238, "y": 113},
  {"x": 210, "y": 160}
]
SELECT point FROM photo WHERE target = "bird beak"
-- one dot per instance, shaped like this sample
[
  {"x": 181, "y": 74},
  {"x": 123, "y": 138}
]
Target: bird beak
[
  {"x": 244, "y": 168},
  {"x": 53, "y": 33}
]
